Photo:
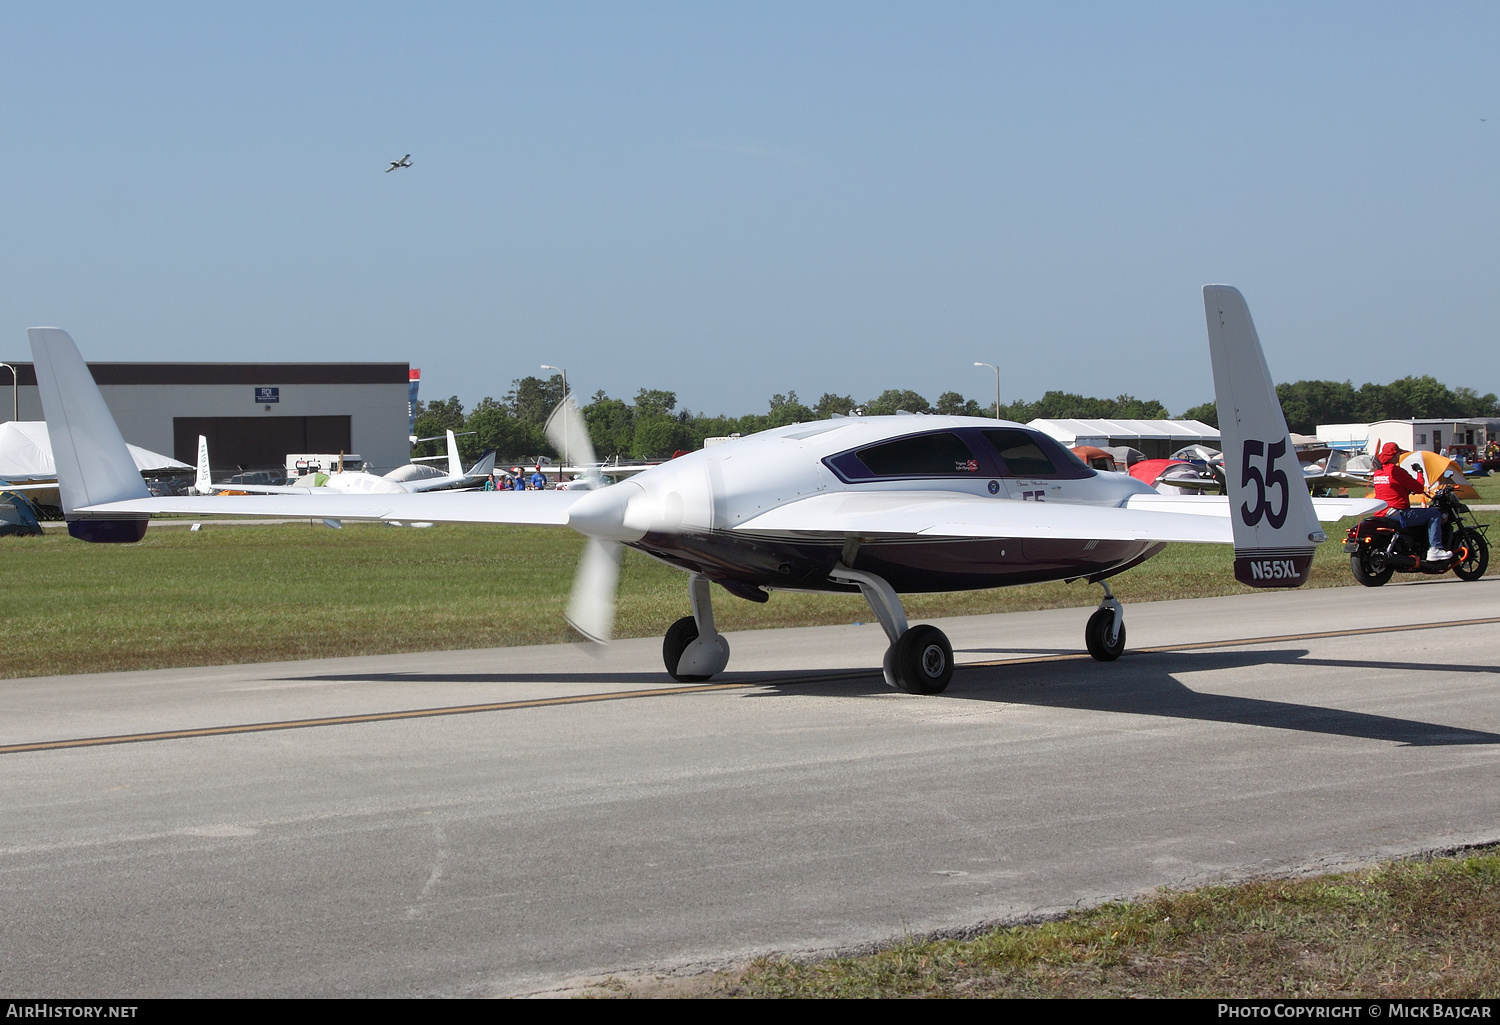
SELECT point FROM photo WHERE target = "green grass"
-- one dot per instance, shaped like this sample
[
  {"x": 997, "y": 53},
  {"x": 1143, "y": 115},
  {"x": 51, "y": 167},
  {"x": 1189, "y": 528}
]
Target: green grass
[
  {"x": 1488, "y": 488},
  {"x": 1422, "y": 928},
  {"x": 251, "y": 594}
]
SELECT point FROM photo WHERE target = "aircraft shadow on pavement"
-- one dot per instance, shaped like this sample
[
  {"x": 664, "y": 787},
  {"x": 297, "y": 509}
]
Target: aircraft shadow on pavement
[
  {"x": 1142, "y": 683},
  {"x": 628, "y": 679},
  {"x": 1146, "y": 684}
]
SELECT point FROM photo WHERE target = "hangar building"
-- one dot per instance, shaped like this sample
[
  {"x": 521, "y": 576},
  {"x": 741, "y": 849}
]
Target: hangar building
[{"x": 253, "y": 414}]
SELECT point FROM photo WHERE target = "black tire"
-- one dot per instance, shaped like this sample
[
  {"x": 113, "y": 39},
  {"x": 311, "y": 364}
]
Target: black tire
[
  {"x": 1365, "y": 574},
  {"x": 1474, "y": 555},
  {"x": 679, "y": 635},
  {"x": 1096, "y": 636},
  {"x": 922, "y": 660}
]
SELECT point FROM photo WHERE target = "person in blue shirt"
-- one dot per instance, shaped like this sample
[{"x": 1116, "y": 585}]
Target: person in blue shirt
[{"x": 538, "y": 482}]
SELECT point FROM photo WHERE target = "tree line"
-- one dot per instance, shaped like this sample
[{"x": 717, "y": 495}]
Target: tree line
[
  {"x": 652, "y": 427},
  {"x": 1305, "y": 404}
]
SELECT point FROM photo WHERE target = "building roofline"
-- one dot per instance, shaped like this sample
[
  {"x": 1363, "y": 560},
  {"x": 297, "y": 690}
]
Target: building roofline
[{"x": 232, "y": 373}]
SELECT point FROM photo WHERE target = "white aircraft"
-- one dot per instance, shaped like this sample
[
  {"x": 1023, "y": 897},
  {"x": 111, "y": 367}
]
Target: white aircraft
[
  {"x": 409, "y": 479},
  {"x": 875, "y": 505},
  {"x": 403, "y": 162}
]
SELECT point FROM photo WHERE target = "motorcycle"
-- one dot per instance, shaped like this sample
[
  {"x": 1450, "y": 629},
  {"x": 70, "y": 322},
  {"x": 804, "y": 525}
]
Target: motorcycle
[{"x": 1379, "y": 546}]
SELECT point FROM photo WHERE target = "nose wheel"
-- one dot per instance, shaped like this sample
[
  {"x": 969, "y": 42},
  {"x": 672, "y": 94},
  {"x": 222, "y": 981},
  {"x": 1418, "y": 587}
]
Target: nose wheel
[
  {"x": 692, "y": 650},
  {"x": 1105, "y": 632}
]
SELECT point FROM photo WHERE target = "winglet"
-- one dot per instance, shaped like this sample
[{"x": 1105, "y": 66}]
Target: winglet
[
  {"x": 1275, "y": 526},
  {"x": 93, "y": 464}
]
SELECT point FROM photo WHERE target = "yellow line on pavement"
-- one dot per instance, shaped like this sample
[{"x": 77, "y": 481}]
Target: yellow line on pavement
[{"x": 656, "y": 692}]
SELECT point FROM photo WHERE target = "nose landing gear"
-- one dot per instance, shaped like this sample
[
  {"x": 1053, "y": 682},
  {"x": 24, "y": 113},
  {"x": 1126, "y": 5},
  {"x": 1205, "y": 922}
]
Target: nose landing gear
[
  {"x": 1105, "y": 632},
  {"x": 920, "y": 659},
  {"x": 693, "y": 650}
]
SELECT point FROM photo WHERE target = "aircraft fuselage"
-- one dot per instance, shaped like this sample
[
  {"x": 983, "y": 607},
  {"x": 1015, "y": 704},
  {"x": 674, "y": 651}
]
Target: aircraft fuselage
[{"x": 697, "y": 507}]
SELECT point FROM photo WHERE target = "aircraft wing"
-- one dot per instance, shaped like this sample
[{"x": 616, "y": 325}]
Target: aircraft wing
[
  {"x": 1182, "y": 518},
  {"x": 943, "y": 514},
  {"x": 541, "y": 507},
  {"x": 1328, "y": 509}
]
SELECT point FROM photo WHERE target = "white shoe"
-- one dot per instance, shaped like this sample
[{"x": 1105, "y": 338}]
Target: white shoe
[{"x": 1438, "y": 554}]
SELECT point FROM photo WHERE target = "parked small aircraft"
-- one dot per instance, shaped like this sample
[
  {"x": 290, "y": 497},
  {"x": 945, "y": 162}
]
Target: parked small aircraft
[
  {"x": 403, "y": 162},
  {"x": 876, "y": 505},
  {"x": 408, "y": 479}
]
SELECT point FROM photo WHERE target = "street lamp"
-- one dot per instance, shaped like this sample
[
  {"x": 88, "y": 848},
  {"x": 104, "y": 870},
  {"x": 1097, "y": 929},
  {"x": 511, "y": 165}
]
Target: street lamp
[
  {"x": 997, "y": 385},
  {"x": 564, "y": 373},
  {"x": 15, "y": 391}
]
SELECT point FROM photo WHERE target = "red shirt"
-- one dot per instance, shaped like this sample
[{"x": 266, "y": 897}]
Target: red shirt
[{"x": 1393, "y": 484}]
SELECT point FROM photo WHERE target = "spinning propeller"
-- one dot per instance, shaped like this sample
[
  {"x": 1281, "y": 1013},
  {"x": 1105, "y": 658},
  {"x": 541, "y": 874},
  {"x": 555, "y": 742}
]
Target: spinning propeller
[
  {"x": 610, "y": 515},
  {"x": 591, "y": 606}
]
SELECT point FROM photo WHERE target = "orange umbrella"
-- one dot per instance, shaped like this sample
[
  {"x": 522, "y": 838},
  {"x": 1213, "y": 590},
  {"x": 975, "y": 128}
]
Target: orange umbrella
[{"x": 1432, "y": 469}]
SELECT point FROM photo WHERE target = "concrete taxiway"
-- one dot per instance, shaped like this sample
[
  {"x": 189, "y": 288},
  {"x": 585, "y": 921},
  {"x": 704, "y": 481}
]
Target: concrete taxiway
[{"x": 492, "y": 822}]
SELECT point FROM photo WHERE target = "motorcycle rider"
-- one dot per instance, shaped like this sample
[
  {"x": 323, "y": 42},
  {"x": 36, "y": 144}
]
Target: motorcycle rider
[{"x": 1392, "y": 486}]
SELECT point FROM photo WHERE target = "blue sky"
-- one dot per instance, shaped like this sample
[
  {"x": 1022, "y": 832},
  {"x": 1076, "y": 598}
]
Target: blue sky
[{"x": 731, "y": 200}]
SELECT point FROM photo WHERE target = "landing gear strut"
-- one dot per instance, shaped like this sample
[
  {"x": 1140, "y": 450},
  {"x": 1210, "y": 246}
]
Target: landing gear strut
[
  {"x": 920, "y": 659},
  {"x": 692, "y": 649},
  {"x": 1105, "y": 632}
]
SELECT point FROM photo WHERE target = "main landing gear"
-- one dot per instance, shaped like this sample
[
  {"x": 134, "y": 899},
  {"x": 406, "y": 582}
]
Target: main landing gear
[
  {"x": 692, "y": 649},
  {"x": 920, "y": 659}
]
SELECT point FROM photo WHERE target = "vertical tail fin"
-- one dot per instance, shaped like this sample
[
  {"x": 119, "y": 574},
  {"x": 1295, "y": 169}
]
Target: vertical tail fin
[
  {"x": 1275, "y": 526},
  {"x": 203, "y": 484},
  {"x": 93, "y": 464},
  {"x": 455, "y": 464},
  {"x": 485, "y": 466}
]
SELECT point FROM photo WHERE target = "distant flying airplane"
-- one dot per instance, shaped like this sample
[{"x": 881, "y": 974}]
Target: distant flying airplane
[
  {"x": 403, "y": 162},
  {"x": 874, "y": 505}
]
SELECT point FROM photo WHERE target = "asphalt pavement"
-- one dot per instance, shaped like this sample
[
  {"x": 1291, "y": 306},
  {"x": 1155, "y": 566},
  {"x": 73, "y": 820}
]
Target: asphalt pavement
[{"x": 496, "y": 822}]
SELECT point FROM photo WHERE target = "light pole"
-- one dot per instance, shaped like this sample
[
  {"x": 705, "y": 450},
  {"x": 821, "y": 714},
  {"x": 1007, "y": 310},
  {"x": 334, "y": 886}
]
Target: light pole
[
  {"x": 997, "y": 385},
  {"x": 15, "y": 392},
  {"x": 564, "y": 373}
]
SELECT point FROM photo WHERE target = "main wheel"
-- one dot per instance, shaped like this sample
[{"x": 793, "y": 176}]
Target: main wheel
[
  {"x": 1473, "y": 555},
  {"x": 679, "y": 635},
  {"x": 1370, "y": 572},
  {"x": 922, "y": 660},
  {"x": 1096, "y": 636}
]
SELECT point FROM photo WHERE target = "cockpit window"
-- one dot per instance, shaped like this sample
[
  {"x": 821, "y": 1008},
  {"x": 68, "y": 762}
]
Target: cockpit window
[
  {"x": 1071, "y": 458},
  {"x": 922, "y": 455},
  {"x": 1023, "y": 456},
  {"x": 1027, "y": 454}
]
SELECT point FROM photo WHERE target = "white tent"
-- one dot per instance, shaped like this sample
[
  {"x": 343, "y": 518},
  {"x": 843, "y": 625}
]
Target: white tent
[
  {"x": 1156, "y": 438},
  {"x": 26, "y": 453}
]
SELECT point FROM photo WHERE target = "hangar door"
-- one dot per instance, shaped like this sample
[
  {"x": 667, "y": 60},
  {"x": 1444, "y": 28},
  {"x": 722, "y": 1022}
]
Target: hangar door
[{"x": 257, "y": 442}]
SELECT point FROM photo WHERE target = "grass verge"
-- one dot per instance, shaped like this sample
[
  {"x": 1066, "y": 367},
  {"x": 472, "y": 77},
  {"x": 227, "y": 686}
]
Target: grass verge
[{"x": 1424, "y": 928}]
